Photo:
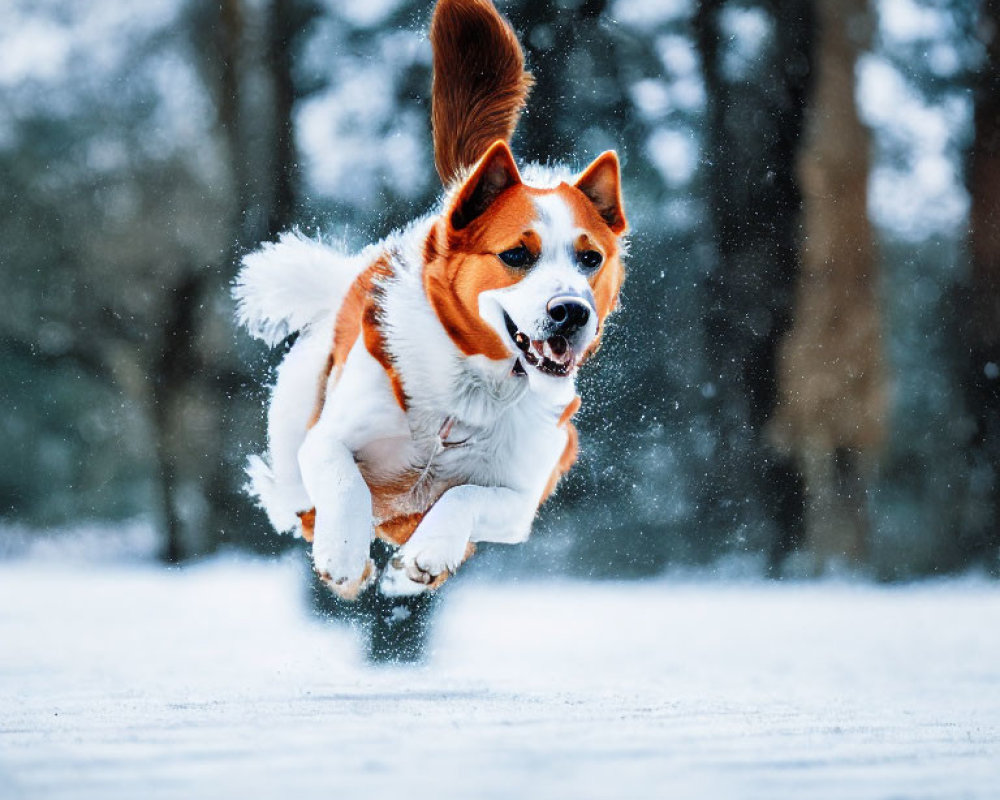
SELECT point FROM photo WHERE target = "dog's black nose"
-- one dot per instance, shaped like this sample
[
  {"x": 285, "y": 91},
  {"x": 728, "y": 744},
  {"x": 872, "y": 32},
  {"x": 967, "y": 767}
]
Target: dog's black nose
[{"x": 568, "y": 313}]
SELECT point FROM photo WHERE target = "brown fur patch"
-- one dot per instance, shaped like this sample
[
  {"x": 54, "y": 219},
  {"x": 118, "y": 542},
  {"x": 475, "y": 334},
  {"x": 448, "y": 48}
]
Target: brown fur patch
[
  {"x": 455, "y": 278},
  {"x": 566, "y": 461},
  {"x": 399, "y": 529},
  {"x": 570, "y": 410},
  {"x": 570, "y": 451},
  {"x": 358, "y": 316},
  {"x": 308, "y": 520},
  {"x": 375, "y": 344}
]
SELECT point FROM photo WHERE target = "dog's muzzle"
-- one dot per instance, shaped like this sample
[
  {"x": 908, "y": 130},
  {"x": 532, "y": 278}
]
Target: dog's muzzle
[{"x": 558, "y": 352}]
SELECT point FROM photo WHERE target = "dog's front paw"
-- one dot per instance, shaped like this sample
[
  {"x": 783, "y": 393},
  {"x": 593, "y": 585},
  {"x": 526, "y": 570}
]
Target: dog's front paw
[
  {"x": 423, "y": 568},
  {"x": 347, "y": 588},
  {"x": 345, "y": 574}
]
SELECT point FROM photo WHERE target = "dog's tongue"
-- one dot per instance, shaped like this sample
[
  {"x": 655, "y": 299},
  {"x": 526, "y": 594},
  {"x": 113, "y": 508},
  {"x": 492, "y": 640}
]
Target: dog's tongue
[{"x": 555, "y": 349}]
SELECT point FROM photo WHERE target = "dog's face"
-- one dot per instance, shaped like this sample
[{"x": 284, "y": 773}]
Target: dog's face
[{"x": 527, "y": 276}]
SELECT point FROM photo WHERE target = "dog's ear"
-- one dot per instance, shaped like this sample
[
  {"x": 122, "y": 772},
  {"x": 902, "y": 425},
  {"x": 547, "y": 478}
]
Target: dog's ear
[
  {"x": 602, "y": 184},
  {"x": 495, "y": 173}
]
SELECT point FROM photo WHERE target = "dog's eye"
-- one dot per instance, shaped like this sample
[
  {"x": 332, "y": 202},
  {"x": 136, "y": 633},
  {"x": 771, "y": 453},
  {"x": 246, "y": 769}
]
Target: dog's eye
[
  {"x": 517, "y": 257},
  {"x": 590, "y": 260}
]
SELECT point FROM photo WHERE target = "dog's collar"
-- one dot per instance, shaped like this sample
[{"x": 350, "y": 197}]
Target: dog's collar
[{"x": 442, "y": 442}]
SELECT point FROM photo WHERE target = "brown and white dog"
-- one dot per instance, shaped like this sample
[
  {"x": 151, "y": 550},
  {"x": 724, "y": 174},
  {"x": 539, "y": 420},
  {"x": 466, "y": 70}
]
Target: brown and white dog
[{"x": 428, "y": 397}]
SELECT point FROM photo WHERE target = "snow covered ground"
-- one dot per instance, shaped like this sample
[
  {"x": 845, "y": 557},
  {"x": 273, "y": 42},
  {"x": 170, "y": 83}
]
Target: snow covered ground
[{"x": 122, "y": 681}]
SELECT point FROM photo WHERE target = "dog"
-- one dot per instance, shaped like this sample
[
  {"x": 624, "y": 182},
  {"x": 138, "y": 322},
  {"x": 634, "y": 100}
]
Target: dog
[{"x": 428, "y": 397}]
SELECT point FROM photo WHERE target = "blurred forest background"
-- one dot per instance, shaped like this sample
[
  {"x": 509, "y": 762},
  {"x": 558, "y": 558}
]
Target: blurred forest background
[{"x": 803, "y": 376}]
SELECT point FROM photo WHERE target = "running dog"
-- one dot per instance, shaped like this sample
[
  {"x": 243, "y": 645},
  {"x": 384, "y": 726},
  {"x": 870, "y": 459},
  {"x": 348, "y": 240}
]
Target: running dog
[{"x": 427, "y": 399}]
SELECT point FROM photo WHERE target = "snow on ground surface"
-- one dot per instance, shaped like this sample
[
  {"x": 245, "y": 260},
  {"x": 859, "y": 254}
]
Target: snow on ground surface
[{"x": 121, "y": 681}]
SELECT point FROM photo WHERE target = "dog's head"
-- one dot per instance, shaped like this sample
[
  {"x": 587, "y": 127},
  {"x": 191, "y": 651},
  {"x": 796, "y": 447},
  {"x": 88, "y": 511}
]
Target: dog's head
[{"x": 526, "y": 276}]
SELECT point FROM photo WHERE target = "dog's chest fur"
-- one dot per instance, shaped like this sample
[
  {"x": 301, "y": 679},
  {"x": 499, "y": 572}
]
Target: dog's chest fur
[{"x": 506, "y": 443}]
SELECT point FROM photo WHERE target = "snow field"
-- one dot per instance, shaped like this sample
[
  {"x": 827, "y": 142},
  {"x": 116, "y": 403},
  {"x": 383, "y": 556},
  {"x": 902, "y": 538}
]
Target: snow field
[{"x": 121, "y": 681}]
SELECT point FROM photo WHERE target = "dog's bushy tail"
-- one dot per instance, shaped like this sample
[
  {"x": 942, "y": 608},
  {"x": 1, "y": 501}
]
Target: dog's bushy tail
[
  {"x": 480, "y": 85},
  {"x": 285, "y": 285}
]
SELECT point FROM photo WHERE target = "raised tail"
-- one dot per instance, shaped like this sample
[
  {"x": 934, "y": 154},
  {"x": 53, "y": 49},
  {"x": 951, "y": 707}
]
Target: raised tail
[
  {"x": 480, "y": 85},
  {"x": 285, "y": 285}
]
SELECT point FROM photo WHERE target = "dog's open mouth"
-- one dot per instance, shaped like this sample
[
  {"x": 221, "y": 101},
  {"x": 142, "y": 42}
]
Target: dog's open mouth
[{"x": 552, "y": 356}]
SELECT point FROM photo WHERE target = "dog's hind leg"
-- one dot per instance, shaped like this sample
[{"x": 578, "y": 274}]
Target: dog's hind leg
[{"x": 275, "y": 478}]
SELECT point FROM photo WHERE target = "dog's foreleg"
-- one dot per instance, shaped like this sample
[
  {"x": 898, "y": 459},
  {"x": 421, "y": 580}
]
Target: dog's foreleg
[
  {"x": 343, "y": 527},
  {"x": 464, "y": 514}
]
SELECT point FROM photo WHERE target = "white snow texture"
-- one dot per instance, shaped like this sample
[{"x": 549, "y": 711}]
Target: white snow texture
[{"x": 127, "y": 681}]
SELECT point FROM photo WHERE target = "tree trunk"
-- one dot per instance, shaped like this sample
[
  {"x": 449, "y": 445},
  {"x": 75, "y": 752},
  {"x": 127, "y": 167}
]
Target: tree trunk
[
  {"x": 287, "y": 19},
  {"x": 174, "y": 382},
  {"x": 175, "y": 547},
  {"x": 190, "y": 402},
  {"x": 753, "y": 126},
  {"x": 982, "y": 381},
  {"x": 831, "y": 413}
]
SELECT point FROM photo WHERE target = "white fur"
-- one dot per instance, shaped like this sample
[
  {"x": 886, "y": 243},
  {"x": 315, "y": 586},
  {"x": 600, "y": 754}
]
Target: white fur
[
  {"x": 288, "y": 284},
  {"x": 276, "y": 481},
  {"x": 506, "y": 426}
]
